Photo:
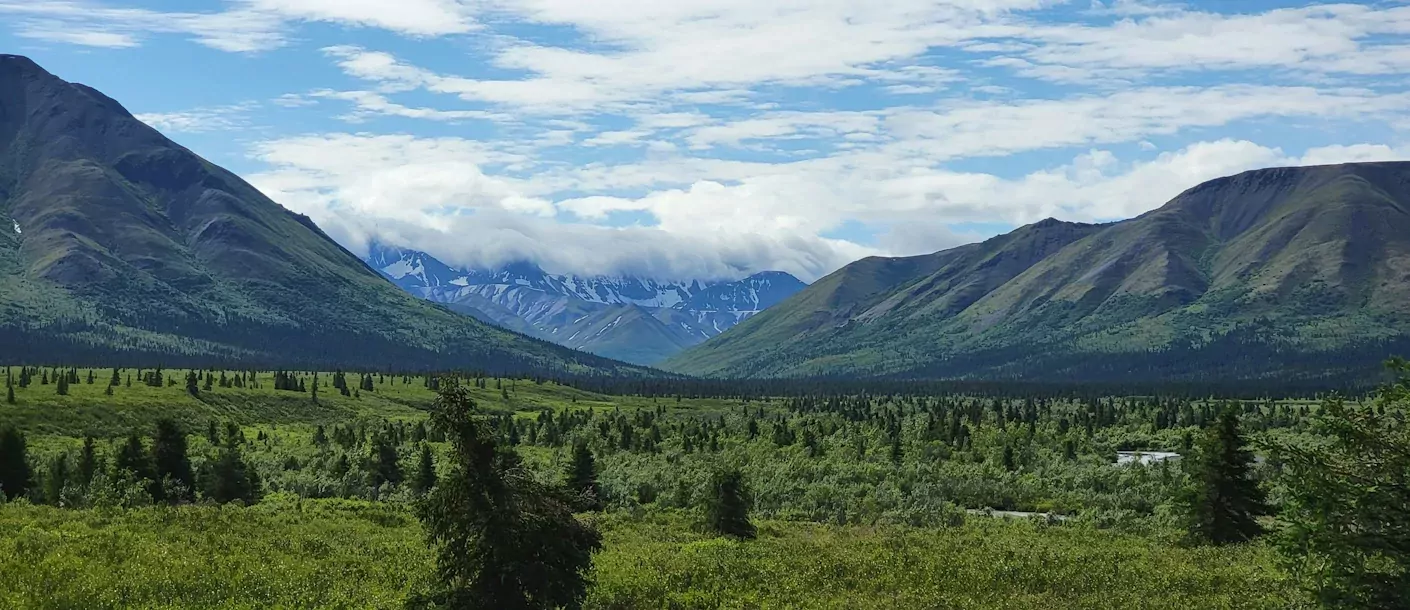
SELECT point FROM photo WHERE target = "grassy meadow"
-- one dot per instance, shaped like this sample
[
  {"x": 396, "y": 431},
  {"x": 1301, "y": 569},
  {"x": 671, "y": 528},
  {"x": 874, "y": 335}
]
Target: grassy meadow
[{"x": 861, "y": 502}]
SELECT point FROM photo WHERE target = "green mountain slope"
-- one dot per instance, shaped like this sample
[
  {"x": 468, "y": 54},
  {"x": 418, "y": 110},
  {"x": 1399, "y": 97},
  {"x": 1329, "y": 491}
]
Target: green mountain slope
[
  {"x": 630, "y": 333},
  {"x": 117, "y": 245},
  {"x": 1278, "y": 272}
]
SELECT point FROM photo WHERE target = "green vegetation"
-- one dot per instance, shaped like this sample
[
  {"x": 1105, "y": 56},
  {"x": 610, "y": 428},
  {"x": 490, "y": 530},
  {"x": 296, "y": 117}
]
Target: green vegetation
[
  {"x": 1223, "y": 501},
  {"x": 1270, "y": 274},
  {"x": 292, "y": 553},
  {"x": 504, "y": 539},
  {"x": 817, "y": 500},
  {"x": 1349, "y": 532}
]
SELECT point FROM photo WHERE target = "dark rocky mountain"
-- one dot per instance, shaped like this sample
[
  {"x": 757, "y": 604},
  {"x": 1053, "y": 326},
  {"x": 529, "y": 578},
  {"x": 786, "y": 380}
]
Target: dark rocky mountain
[
  {"x": 120, "y": 246},
  {"x": 627, "y": 318},
  {"x": 1285, "y": 272}
]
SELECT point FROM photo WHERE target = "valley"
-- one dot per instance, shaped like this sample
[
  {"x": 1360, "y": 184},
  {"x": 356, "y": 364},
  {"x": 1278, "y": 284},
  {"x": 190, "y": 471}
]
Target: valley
[{"x": 213, "y": 400}]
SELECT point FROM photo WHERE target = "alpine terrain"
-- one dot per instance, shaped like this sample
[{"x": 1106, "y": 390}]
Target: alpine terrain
[
  {"x": 1278, "y": 273},
  {"x": 118, "y": 245},
  {"x": 631, "y": 319}
]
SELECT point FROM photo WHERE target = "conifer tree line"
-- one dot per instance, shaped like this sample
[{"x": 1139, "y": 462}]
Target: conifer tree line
[
  {"x": 135, "y": 470},
  {"x": 940, "y": 454}
]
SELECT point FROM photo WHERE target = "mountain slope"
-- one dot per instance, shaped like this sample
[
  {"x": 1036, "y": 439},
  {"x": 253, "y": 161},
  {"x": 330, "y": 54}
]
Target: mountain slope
[
  {"x": 1279, "y": 272},
  {"x": 117, "y": 245},
  {"x": 631, "y": 319}
]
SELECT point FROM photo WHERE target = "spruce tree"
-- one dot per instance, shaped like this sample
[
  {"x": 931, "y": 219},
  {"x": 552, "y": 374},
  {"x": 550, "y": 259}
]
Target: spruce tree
[
  {"x": 15, "y": 475},
  {"x": 192, "y": 381},
  {"x": 1223, "y": 501},
  {"x": 582, "y": 478},
  {"x": 425, "y": 471},
  {"x": 87, "y": 462},
  {"x": 385, "y": 467},
  {"x": 56, "y": 480},
  {"x": 230, "y": 477},
  {"x": 133, "y": 460},
  {"x": 1347, "y": 528},
  {"x": 61, "y": 384},
  {"x": 171, "y": 463},
  {"x": 727, "y": 511},
  {"x": 9, "y": 394},
  {"x": 502, "y": 539}
]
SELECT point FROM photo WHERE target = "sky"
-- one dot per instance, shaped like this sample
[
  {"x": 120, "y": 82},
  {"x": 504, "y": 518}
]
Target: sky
[{"x": 708, "y": 139}]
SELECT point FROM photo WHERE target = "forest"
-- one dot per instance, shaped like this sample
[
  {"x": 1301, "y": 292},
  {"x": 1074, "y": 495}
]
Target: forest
[{"x": 126, "y": 487}]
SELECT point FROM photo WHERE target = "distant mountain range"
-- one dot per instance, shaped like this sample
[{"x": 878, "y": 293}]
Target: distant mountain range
[
  {"x": 1276, "y": 273},
  {"x": 118, "y": 247},
  {"x": 631, "y": 319}
]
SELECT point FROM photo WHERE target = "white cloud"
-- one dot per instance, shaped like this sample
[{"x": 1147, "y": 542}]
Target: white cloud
[
  {"x": 248, "y": 26},
  {"x": 1328, "y": 38},
  {"x": 1355, "y": 153},
  {"x": 200, "y": 120},
  {"x": 368, "y": 103},
  {"x": 706, "y": 50},
  {"x": 85, "y": 23},
  {"x": 415, "y": 17},
  {"x": 785, "y": 125},
  {"x": 1000, "y": 128},
  {"x": 413, "y": 180},
  {"x": 58, "y": 32}
]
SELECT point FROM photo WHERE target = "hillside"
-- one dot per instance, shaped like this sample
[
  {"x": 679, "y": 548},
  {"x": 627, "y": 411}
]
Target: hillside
[
  {"x": 626, "y": 318},
  {"x": 1284, "y": 272},
  {"x": 118, "y": 245}
]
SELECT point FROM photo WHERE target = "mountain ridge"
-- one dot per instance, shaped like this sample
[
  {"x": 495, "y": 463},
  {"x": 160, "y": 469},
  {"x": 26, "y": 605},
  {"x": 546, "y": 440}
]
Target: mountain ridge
[
  {"x": 628, "y": 318},
  {"x": 1289, "y": 264},
  {"x": 129, "y": 248}
]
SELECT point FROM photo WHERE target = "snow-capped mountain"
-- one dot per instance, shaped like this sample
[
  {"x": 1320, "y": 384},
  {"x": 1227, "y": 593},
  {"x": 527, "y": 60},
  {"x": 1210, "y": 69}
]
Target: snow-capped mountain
[{"x": 632, "y": 319}]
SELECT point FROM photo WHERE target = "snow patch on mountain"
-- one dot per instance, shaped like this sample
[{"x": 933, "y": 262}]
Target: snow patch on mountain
[{"x": 676, "y": 314}]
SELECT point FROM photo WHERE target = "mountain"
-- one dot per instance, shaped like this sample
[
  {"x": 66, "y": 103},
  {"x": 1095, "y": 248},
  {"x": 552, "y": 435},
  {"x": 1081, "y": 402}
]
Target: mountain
[
  {"x": 118, "y": 246},
  {"x": 1276, "y": 273},
  {"x": 630, "y": 319}
]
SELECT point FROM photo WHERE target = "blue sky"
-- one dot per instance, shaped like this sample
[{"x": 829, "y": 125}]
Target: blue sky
[{"x": 695, "y": 139}]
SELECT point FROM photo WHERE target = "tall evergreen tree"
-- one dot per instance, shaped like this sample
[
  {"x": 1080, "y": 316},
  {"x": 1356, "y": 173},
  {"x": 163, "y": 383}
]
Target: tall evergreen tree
[
  {"x": 192, "y": 382},
  {"x": 729, "y": 502},
  {"x": 132, "y": 456},
  {"x": 171, "y": 463},
  {"x": 1223, "y": 501},
  {"x": 230, "y": 478},
  {"x": 87, "y": 462},
  {"x": 61, "y": 384},
  {"x": 502, "y": 539},
  {"x": 9, "y": 392},
  {"x": 425, "y": 478},
  {"x": 385, "y": 467},
  {"x": 1348, "y": 527},
  {"x": 16, "y": 478},
  {"x": 582, "y": 478},
  {"x": 56, "y": 479},
  {"x": 133, "y": 461}
]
